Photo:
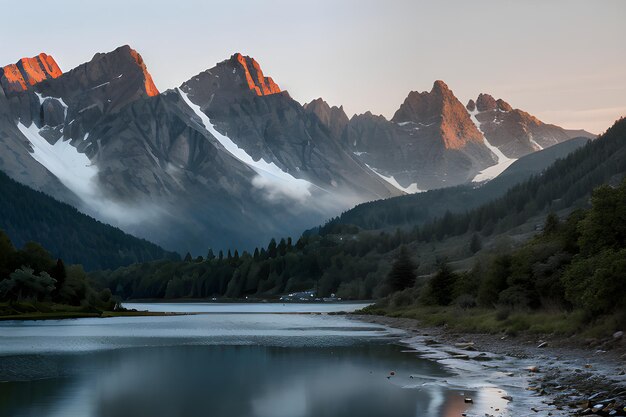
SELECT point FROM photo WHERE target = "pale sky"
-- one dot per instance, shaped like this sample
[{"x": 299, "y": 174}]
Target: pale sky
[{"x": 562, "y": 60}]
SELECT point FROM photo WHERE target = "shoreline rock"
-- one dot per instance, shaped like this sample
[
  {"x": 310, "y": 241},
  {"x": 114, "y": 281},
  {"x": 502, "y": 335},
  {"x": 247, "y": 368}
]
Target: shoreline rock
[{"x": 571, "y": 375}]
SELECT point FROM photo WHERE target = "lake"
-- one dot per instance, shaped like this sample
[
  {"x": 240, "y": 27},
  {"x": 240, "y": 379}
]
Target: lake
[{"x": 235, "y": 360}]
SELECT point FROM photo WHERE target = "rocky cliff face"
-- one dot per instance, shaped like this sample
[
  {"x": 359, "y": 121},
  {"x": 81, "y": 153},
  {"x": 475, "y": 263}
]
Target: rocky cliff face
[
  {"x": 515, "y": 132},
  {"x": 256, "y": 81},
  {"x": 334, "y": 118}
]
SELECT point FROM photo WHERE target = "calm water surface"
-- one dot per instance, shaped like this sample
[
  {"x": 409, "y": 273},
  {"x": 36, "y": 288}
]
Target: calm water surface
[{"x": 257, "y": 364}]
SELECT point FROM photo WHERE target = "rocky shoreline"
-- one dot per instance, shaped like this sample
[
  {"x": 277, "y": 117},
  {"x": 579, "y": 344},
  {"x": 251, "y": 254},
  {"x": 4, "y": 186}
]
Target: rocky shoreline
[{"x": 563, "y": 376}]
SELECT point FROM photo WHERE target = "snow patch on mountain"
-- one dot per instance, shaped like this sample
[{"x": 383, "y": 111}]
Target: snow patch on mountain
[
  {"x": 502, "y": 161},
  {"x": 43, "y": 98},
  {"x": 72, "y": 168},
  {"x": 537, "y": 146},
  {"x": 79, "y": 175},
  {"x": 411, "y": 189},
  {"x": 276, "y": 182}
]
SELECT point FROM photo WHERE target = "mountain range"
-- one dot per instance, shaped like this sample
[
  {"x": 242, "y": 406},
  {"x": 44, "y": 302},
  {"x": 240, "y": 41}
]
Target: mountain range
[{"x": 229, "y": 159}]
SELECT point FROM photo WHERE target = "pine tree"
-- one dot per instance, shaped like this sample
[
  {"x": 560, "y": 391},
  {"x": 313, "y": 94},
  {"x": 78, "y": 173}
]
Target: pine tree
[
  {"x": 475, "y": 243},
  {"x": 551, "y": 225},
  {"x": 442, "y": 284},
  {"x": 282, "y": 247},
  {"x": 210, "y": 256},
  {"x": 59, "y": 274},
  {"x": 188, "y": 257},
  {"x": 402, "y": 274},
  {"x": 271, "y": 249}
]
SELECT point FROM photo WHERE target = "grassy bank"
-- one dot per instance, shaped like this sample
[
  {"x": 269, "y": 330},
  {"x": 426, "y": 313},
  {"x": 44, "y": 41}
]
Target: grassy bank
[
  {"x": 506, "y": 321},
  {"x": 52, "y": 311}
]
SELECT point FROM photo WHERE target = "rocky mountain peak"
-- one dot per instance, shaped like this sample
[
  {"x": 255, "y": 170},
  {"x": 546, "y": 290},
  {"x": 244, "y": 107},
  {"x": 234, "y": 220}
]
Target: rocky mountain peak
[
  {"x": 121, "y": 67},
  {"x": 422, "y": 107},
  {"x": 471, "y": 105},
  {"x": 122, "y": 58},
  {"x": 485, "y": 102},
  {"x": 503, "y": 105},
  {"x": 28, "y": 72},
  {"x": 254, "y": 77},
  {"x": 441, "y": 88},
  {"x": 334, "y": 117},
  {"x": 441, "y": 108}
]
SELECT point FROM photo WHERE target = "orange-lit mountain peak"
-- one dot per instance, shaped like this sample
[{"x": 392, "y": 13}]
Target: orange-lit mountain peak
[
  {"x": 28, "y": 72},
  {"x": 440, "y": 109},
  {"x": 151, "y": 89},
  {"x": 253, "y": 74},
  {"x": 39, "y": 68}
]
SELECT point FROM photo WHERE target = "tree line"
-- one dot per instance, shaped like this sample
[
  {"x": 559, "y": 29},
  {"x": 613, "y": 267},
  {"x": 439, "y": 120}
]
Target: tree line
[
  {"x": 30, "y": 274},
  {"x": 578, "y": 263}
]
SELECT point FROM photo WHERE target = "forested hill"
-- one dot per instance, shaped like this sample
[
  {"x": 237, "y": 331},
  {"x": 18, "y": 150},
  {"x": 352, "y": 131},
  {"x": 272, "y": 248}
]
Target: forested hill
[
  {"x": 414, "y": 209},
  {"x": 29, "y": 215}
]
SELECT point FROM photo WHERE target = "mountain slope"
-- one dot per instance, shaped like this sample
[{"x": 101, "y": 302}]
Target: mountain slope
[
  {"x": 513, "y": 131},
  {"x": 28, "y": 215},
  {"x": 227, "y": 159},
  {"x": 416, "y": 209},
  {"x": 274, "y": 127}
]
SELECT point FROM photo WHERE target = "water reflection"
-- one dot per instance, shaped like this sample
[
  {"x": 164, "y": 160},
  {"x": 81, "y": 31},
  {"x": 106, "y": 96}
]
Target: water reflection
[
  {"x": 233, "y": 381},
  {"x": 223, "y": 364}
]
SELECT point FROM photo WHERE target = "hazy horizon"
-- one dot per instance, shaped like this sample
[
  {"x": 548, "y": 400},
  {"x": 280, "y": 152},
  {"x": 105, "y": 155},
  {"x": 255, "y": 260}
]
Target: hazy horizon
[{"x": 561, "y": 60}]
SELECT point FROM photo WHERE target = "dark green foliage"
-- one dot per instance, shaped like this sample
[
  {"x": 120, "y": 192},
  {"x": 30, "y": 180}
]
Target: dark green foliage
[
  {"x": 475, "y": 244},
  {"x": 442, "y": 284},
  {"x": 402, "y": 274},
  {"x": 598, "y": 283},
  {"x": 554, "y": 269},
  {"x": 35, "y": 276},
  {"x": 494, "y": 281},
  {"x": 604, "y": 226},
  {"x": 25, "y": 284},
  {"x": 597, "y": 276},
  {"x": 552, "y": 224},
  {"x": 28, "y": 215},
  {"x": 322, "y": 264}
]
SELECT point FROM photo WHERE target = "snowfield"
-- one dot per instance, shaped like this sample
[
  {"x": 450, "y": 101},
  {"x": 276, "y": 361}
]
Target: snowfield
[{"x": 72, "y": 168}]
